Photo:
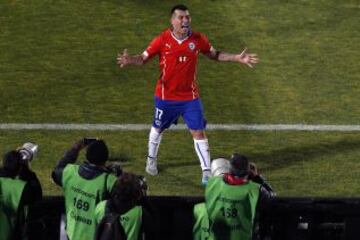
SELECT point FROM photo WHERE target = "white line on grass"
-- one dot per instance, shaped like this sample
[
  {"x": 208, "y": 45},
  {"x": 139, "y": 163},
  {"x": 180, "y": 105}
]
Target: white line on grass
[{"x": 141, "y": 127}]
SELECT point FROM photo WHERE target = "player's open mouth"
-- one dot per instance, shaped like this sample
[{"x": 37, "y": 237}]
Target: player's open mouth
[{"x": 185, "y": 26}]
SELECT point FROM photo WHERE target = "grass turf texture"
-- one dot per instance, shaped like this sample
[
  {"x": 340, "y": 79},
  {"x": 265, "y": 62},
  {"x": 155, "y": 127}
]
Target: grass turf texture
[
  {"x": 57, "y": 64},
  {"x": 295, "y": 163}
]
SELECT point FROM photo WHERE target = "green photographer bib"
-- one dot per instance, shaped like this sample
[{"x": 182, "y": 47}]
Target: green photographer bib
[
  {"x": 231, "y": 209},
  {"x": 131, "y": 220},
  {"x": 201, "y": 226},
  {"x": 81, "y": 197},
  {"x": 10, "y": 196}
]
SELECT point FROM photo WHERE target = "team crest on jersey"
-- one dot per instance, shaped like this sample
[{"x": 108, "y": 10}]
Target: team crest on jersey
[{"x": 192, "y": 46}]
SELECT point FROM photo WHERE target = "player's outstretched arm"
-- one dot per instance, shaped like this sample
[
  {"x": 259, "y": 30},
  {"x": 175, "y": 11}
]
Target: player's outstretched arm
[
  {"x": 246, "y": 58},
  {"x": 125, "y": 59}
]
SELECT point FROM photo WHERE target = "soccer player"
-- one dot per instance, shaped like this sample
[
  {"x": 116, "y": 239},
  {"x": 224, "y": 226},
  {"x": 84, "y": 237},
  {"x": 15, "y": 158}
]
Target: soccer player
[{"x": 177, "y": 92}]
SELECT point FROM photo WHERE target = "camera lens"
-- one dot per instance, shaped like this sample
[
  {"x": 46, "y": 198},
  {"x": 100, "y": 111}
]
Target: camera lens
[{"x": 28, "y": 151}]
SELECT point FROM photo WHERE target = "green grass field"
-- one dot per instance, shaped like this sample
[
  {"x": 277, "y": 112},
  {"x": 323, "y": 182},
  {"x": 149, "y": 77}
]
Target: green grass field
[{"x": 58, "y": 65}]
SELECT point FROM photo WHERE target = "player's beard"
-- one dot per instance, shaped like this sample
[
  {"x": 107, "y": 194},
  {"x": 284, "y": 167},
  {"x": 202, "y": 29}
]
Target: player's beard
[
  {"x": 181, "y": 32},
  {"x": 184, "y": 31}
]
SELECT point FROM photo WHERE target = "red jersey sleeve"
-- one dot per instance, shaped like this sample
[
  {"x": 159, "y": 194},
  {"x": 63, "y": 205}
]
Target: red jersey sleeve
[
  {"x": 154, "y": 47},
  {"x": 205, "y": 45}
]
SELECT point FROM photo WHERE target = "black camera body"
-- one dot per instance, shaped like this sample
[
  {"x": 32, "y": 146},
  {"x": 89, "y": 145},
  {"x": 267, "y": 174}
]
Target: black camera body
[
  {"x": 88, "y": 140},
  {"x": 115, "y": 169}
]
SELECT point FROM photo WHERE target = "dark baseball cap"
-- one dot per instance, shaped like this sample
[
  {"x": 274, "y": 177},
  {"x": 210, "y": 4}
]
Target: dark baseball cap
[{"x": 239, "y": 165}]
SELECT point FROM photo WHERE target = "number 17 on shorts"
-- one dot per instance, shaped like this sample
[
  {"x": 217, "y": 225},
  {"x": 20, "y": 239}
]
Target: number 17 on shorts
[{"x": 158, "y": 115}]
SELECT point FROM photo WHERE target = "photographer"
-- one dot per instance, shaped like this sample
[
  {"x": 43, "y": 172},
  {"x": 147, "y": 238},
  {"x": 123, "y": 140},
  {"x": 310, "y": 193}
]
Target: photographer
[
  {"x": 231, "y": 200},
  {"x": 19, "y": 187},
  {"x": 84, "y": 185},
  {"x": 126, "y": 215},
  {"x": 200, "y": 218}
]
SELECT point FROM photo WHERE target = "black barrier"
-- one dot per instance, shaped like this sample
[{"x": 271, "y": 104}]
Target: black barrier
[{"x": 283, "y": 218}]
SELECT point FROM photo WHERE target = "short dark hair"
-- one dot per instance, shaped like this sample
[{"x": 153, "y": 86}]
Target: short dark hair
[
  {"x": 12, "y": 162},
  {"x": 127, "y": 188},
  {"x": 239, "y": 165},
  {"x": 181, "y": 7},
  {"x": 97, "y": 152}
]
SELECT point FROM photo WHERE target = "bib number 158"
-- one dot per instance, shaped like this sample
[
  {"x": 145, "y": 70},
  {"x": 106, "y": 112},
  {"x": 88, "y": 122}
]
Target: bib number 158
[{"x": 229, "y": 212}]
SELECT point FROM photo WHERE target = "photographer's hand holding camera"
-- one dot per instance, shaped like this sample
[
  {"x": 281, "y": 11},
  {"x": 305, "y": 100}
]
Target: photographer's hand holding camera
[
  {"x": 19, "y": 187},
  {"x": 97, "y": 155},
  {"x": 84, "y": 185}
]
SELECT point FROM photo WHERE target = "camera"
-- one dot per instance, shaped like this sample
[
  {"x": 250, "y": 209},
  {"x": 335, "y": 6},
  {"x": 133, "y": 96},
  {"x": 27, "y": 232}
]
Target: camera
[
  {"x": 115, "y": 169},
  {"x": 88, "y": 140},
  {"x": 143, "y": 185},
  {"x": 28, "y": 151},
  {"x": 220, "y": 166}
]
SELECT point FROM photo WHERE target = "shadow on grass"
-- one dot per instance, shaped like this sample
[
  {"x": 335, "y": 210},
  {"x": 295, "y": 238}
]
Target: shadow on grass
[
  {"x": 177, "y": 164},
  {"x": 271, "y": 160},
  {"x": 288, "y": 156},
  {"x": 184, "y": 181},
  {"x": 282, "y": 158}
]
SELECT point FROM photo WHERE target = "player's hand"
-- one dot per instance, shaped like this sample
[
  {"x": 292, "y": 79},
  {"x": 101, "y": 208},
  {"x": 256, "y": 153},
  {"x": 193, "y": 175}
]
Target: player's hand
[
  {"x": 247, "y": 58},
  {"x": 123, "y": 59}
]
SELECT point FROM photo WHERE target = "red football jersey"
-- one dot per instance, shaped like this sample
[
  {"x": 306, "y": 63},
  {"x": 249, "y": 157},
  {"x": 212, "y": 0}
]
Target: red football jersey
[{"x": 177, "y": 62}]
